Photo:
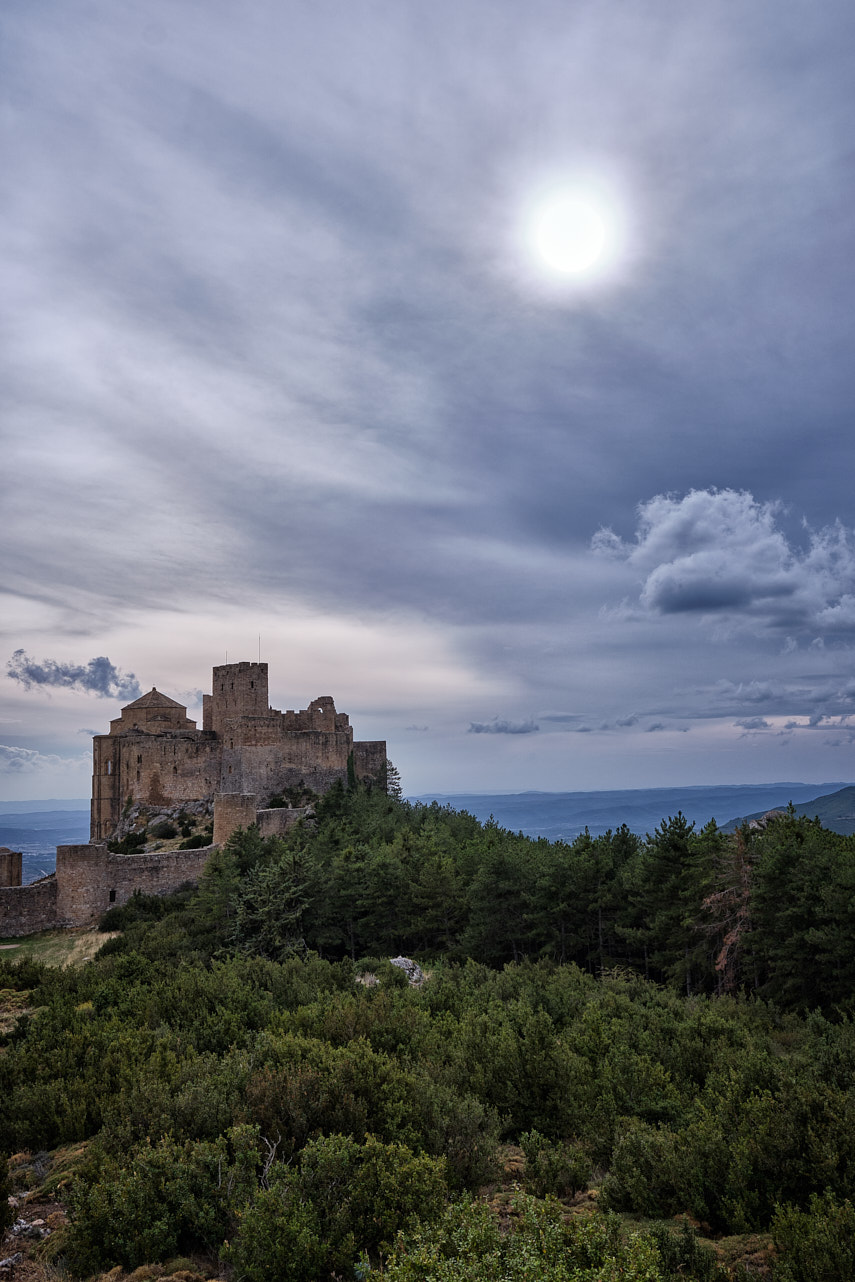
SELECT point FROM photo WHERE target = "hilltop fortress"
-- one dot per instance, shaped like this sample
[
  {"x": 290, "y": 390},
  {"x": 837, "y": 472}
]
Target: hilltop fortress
[{"x": 155, "y": 761}]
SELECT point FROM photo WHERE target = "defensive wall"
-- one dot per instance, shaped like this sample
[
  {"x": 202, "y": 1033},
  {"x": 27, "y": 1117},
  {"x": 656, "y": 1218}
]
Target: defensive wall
[
  {"x": 25, "y": 910},
  {"x": 89, "y": 878}
]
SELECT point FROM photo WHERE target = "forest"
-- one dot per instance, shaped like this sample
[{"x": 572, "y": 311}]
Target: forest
[{"x": 630, "y": 1058}]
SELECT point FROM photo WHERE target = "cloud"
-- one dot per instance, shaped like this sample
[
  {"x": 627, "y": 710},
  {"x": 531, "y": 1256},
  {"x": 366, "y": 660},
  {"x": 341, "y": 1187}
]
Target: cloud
[
  {"x": 98, "y": 676},
  {"x": 753, "y": 723},
  {"x": 502, "y": 727},
  {"x": 722, "y": 553},
  {"x": 24, "y": 761}
]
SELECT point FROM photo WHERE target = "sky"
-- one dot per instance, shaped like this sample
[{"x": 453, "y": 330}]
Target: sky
[{"x": 487, "y": 366}]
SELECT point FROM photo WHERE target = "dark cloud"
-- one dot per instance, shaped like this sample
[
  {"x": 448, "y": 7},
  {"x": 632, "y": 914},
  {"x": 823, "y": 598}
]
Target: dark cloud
[
  {"x": 753, "y": 723},
  {"x": 498, "y": 726},
  {"x": 294, "y": 271},
  {"x": 98, "y": 676}
]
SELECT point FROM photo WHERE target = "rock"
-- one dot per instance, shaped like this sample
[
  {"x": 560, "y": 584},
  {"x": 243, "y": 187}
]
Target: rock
[
  {"x": 414, "y": 972},
  {"x": 29, "y": 1228},
  {"x": 7, "y": 1265}
]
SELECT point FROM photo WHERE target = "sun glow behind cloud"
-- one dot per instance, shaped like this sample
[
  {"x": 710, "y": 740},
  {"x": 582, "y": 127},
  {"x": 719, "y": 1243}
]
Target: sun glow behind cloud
[{"x": 574, "y": 232}]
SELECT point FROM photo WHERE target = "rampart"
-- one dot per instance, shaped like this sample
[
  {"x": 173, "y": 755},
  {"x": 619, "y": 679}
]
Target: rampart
[
  {"x": 25, "y": 910},
  {"x": 91, "y": 879}
]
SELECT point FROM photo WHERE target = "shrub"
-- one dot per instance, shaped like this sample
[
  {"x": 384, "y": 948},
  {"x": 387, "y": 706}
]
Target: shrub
[
  {"x": 164, "y": 830},
  {"x": 817, "y": 1245},
  {"x": 133, "y": 842},
  {"x": 161, "y": 1200},
  {"x": 345, "y": 1199},
  {"x": 641, "y": 1174},
  {"x": 560, "y": 1169},
  {"x": 198, "y": 841}
]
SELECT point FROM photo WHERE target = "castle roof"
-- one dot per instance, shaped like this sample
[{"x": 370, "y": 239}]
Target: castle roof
[{"x": 154, "y": 699}]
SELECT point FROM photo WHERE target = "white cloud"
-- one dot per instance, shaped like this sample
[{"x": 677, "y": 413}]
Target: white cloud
[
  {"x": 23, "y": 761},
  {"x": 722, "y": 553}
]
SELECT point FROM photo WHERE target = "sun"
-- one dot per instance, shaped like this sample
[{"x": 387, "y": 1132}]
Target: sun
[{"x": 574, "y": 234}]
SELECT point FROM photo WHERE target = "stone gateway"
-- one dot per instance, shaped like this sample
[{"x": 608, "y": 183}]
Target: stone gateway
[{"x": 154, "y": 759}]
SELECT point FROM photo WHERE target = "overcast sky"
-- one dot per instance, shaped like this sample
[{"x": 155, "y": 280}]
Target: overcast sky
[{"x": 285, "y": 354}]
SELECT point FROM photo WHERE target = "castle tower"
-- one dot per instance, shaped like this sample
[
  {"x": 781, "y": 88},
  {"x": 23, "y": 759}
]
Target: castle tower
[{"x": 240, "y": 690}]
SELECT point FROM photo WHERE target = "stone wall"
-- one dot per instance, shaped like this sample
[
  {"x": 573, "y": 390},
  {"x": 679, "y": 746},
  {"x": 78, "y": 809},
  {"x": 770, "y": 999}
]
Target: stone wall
[
  {"x": 90, "y": 879},
  {"x": 11, "y": 868},
  {"x": 369, "y": 759},
  {"x": 232, "y": 810},
  {"x": 158, "y": 770},
  {"x": 275, "y": 823},
  {"x": 25, "y": 910}
]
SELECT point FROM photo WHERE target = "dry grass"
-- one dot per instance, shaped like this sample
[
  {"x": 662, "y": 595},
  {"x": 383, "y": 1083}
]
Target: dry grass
[{"x": 58, "y": 947}]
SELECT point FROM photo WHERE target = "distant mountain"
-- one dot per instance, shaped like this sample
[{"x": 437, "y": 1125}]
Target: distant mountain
[
  {"x": 37, "y": 833},
  {"x": 51, "y": 803},
  {"x": 563, "y": 815},
  {"x": 836, "y": 811}
]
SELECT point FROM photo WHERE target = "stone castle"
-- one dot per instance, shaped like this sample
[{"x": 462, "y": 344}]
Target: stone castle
[{"x": 155, "y": 760}]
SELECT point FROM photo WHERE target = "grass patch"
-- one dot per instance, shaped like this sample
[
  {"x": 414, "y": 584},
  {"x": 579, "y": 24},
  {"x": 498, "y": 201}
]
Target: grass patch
[{"x": 57, "y": 947}]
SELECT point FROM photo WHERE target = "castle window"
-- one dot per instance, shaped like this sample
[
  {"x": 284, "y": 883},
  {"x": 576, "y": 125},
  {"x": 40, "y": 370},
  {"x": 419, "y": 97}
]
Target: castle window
[
  {"x": 139, "y": 758},
  {"x": 230, "y": 769},
  {"x": 112, "y": 896},
  {"x": 175, "y": 770},
  {"x": 252, "y": 685},
  {"x": 109, "y": 767}
]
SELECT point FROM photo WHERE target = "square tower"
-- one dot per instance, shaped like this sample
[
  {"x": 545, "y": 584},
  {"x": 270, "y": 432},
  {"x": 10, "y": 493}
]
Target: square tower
[{"x": 240, "y": 690}]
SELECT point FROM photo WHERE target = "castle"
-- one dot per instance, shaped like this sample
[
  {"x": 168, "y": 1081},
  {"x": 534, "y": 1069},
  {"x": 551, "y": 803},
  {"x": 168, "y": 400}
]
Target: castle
[{"x": 155, "y": 760}]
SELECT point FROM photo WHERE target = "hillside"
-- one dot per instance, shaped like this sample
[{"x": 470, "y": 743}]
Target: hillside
[
  {"x": 561, "y": 816},
  {"x": 243, "y": 1084},
  {"x": 835, "y": 811}
]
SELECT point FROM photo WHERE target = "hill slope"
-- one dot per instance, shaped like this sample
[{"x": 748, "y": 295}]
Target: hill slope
[{"x": 835, "y": 810}]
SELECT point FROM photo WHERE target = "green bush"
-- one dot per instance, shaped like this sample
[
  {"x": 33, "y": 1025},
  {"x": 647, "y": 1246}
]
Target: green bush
[
  {"x": 344, "y": 1200},
  {"x": 641, "y": 1176},
  {"x": 159, "y": 1201},
  {"x": 129, "y": 845},
  {"x": 681, "y": 1255},
  {"x": 198, "y": 841},
  {"x": 817, "y": 1245},
  {"x": 558, "y": 1168},
  {"x": 467, "y": 1246},
  {"x": 164, "y": 830}
]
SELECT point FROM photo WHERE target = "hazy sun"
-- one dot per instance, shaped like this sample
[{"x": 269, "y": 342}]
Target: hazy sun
[{"x": 574, "y": 233}]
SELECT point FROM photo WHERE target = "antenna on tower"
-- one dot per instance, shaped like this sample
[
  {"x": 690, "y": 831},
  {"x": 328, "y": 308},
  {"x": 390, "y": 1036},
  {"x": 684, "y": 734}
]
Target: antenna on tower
[
  {"x": 227, "y": 656},
  {"x": 259, "y": 647}
]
